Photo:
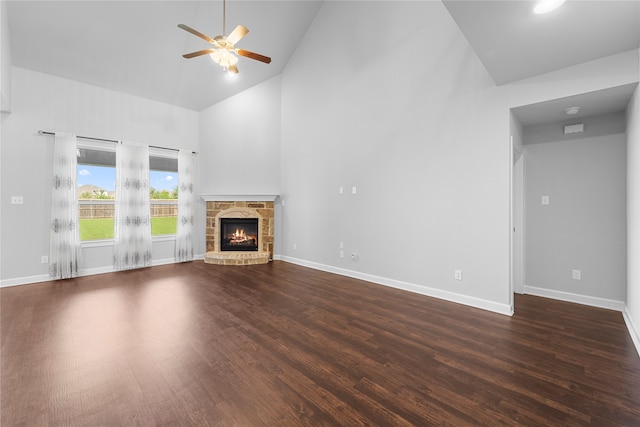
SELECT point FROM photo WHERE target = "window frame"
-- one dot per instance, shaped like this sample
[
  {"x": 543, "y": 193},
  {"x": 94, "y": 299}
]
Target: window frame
[
  {"x": 96, "y": 146},
  {"x": 110, "y": 147}
]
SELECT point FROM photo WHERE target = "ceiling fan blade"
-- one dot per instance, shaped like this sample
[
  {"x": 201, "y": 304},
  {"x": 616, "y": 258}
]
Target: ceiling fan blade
[
  {"x": 197, "y": 33},
  {"x": 233, "y": 69},
  {"x": 253, "y": 55},
  {"x": 198, "y": 53},
  {"x": 237, "y": 34}
]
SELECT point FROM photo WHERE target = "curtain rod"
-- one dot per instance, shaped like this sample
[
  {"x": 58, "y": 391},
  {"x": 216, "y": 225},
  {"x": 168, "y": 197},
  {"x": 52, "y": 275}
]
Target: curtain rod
[{"x": 42, "y": 132}]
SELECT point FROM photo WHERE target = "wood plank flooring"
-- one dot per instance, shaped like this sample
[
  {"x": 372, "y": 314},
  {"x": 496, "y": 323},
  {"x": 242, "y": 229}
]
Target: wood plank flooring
[{"x": 281, "y": 345}]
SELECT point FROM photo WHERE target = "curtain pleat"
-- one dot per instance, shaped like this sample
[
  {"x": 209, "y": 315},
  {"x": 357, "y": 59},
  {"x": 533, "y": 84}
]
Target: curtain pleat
[
  {"x": 132, "y": 212},
  {"x": 65, "y": 252},
  {"x": 186, "y": 206}
]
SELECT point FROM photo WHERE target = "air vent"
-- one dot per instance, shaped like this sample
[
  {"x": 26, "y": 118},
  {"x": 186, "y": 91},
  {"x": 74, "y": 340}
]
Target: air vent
[{"x": 579, "y": 128}]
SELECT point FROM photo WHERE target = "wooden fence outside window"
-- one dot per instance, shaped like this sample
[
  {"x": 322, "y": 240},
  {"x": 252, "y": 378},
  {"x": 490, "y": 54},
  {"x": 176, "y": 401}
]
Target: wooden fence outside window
[{"x": 92, "y": 209}]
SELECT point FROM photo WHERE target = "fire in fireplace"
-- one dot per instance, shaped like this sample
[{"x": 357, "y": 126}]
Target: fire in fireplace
[{"x": 238, "y": 234}]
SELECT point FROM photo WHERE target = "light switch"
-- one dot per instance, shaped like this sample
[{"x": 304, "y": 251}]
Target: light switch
[
  {"x": 544, "y": 200},
  {"x": 340, "y": 190},
  {"x": 354, "y": 190}
]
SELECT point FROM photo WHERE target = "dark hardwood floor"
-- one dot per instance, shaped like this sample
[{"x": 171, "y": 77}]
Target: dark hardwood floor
[{"x": 195, "y": 344}]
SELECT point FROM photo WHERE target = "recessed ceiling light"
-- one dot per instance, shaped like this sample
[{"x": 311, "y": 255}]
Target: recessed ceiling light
[
  {"x": 572, "y": 111},
  {"x": 546, "y": 6}
]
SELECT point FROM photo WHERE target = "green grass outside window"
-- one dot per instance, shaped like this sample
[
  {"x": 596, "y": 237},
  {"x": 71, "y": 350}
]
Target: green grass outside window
[{"x": 102, "y": 228}]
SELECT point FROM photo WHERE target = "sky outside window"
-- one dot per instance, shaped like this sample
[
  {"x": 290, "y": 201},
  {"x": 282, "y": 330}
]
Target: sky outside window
[
  {"x": 105, "y": 177},
  {"x": 163, "y": 180}
]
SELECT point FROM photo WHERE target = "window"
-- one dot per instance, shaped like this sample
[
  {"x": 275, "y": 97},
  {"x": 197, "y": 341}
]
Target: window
[
  {"x": 96, "y": 191},
  {"x": 163, "y": 192}
]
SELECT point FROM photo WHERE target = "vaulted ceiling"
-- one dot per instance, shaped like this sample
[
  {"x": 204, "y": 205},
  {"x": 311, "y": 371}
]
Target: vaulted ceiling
[
  {"x": 513, "y": 44},
  {"x": 136, "y": 47}
]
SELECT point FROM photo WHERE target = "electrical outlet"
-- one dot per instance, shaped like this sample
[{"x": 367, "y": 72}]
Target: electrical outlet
[
  {"x": 576, "y": 274},
  {"x": 457, "y": 274},
  {"x": 354, "y": 256},
  {"x": 341, "y": 245},
  {"x": 341, "y": 253},
  {"x": 17, "y": 200},
  {"x": 295, "y": 246},
  {"x": 44, "y": 259},
  {"x": 354, "y": 190},
  {"x": 340, "y": 190}
]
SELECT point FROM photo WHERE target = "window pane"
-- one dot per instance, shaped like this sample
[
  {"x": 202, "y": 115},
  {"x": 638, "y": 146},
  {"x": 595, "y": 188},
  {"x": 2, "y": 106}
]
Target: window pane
[
  {"x": 164, "y": 201},
  {"x": 96, "y": 193}
]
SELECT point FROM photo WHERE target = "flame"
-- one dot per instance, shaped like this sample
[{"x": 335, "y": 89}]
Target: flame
[{"x": 240, "y": 236}]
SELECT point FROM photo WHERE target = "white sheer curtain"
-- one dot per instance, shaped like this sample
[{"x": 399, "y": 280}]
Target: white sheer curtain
[
  {"x": 186, "y": 206},
  {"x": 132, "y": 213},
  {"x": 65, "y": 253}
]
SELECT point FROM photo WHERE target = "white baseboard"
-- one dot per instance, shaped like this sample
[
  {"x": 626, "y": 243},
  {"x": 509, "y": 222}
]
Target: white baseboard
[
  {"x": 591, "y": 301},
  {"x": 633, "y": 331},
  {"x": 24, "y": 280},
  {"x": 579, "y": 299},
  {"x": 163, "y": 261},
  {"x": 411, "y": 287}
]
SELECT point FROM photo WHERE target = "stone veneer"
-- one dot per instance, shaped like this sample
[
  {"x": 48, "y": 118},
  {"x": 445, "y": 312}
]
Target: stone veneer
[{"x": 239, "y": 209}]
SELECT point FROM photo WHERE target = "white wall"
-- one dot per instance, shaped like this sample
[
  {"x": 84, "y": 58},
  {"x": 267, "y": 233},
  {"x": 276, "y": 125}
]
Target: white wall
[
  {"x": 44, "y": 102},
  {"x": 5, "y": 60},
  {"x": 411, "y": 120},
  {"x": 584, "y": 225},
  {"x": 632, "y": 313},
  {"x": 240, "y": 142},
  {"x": 602, "y": 73},
  {"x": 240, "y": 148}
]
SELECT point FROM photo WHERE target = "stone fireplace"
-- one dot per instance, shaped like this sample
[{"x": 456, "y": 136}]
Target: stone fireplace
[{"x": 240, "y": 229}]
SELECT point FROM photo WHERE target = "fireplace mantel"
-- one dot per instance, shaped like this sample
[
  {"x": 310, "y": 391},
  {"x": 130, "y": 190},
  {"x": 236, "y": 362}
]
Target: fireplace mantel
[{"x": 237, "y": 197}]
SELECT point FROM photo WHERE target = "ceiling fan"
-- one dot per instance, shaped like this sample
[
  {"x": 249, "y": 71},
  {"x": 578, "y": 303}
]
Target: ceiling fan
[{"x": 224, "y": 47}]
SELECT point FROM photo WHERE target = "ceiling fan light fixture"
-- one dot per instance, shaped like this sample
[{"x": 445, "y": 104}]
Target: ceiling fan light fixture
[
  {"x": 223, "y": 50},
  {"x": 231, "y": 72},
  {"x": 546, "y": 6},
  {"x": 224, "y": 58}
]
